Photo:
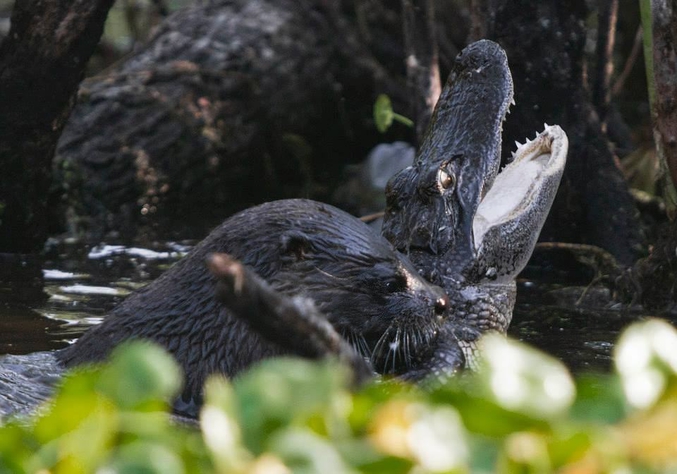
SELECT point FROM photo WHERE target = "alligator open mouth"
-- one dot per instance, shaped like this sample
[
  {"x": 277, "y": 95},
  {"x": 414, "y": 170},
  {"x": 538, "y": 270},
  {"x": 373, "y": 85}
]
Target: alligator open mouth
[
  {"x": 452, "y": 211},
  {"x": 521, "y": 196}
]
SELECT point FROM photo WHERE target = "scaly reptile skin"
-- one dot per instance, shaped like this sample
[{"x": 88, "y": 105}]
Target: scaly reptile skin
[{"x": 435, "y": 207}]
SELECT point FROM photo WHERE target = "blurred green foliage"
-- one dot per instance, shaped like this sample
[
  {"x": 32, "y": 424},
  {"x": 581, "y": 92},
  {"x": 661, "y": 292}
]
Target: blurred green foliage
[{"x": 520, "y": 413}]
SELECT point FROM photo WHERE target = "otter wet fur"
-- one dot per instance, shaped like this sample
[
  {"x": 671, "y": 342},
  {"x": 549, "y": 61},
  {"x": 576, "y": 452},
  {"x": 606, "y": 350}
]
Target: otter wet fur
[{"x": 371, "y": 294}]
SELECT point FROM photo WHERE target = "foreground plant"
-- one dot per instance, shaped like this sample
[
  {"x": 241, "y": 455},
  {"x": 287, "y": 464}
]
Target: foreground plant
[{"x": 521, "y": 412}]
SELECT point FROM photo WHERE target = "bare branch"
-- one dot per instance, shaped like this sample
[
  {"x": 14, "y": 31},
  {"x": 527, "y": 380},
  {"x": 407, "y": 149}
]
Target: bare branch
[
  {"x": 293, "y": 323},
  {"x": 423, "y": 73},
  {"x": 606, "y": 34},
  {"x": 629, "y": 63}
]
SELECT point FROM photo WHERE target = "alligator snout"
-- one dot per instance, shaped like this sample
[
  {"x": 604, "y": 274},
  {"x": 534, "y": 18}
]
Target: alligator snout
[{"x": 421, "y": 238}]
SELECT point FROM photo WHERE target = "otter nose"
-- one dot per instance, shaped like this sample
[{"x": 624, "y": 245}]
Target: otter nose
[{"x": 441, "y": 305}]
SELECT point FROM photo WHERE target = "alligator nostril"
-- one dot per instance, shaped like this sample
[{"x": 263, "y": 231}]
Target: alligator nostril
[
  {"x": 420, "y": 238},
  {"x": 441, "y": 305}
]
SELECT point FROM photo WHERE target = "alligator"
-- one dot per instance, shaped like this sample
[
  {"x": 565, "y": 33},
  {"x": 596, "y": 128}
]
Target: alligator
[{"x": 466, "y": 227}]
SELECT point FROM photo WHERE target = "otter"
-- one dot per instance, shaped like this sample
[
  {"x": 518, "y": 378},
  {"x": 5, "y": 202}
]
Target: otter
[{"x": 372, "y": 295}]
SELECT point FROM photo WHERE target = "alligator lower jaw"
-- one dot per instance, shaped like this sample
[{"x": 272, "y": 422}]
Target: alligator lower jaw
[{"x": 525, "y": 186}]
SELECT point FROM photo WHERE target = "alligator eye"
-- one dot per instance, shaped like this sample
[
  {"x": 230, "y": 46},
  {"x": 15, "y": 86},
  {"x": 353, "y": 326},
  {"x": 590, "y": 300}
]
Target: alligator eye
[{"x": 445, "y": 179}]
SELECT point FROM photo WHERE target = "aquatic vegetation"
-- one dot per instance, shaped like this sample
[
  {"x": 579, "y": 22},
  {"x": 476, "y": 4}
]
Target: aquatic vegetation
[{"x": 521, "y": 412}]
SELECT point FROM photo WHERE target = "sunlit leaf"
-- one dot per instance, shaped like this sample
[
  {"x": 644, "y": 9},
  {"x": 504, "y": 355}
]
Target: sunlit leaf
[
  {"x": 432, "y": 437},
  {"x": 220, "y": 428},
  {"x": 281, "y": 390},
  {"x": 305, "y": 452},
  {"x": 525, "y": 452},
  {"x": 651, "y": 437},
  {"x": 646, "y": 359},
  {"x": 523, "y": 379}
]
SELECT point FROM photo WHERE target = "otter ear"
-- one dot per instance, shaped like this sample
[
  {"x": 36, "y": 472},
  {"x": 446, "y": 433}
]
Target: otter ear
[{"x": 295, "y": 244}]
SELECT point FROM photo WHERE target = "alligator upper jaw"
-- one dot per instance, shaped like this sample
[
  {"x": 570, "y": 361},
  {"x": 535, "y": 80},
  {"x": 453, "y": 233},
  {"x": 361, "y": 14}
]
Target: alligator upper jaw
[
  {"x": 452, "y": 212},
  {"x": 426, "y": 214},
  {"x": 510, "y": 216}
]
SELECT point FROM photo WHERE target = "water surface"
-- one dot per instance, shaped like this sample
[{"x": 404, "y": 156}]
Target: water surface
[{"x": 83, "y": 283}]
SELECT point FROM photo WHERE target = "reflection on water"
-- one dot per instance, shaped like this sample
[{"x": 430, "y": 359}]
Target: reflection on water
[{"x": 82, "y": 284}]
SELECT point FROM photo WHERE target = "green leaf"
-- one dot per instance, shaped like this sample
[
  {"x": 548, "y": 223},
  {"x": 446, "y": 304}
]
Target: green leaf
[
  {"x": 482, "y": 415},
  {"x": 281, "y": 391},
  {"x": 220, "y": 427},
  {"x": 570, "y": 446},
  {"x": 145, "y": 458},
  {"x": 305, "y": 452},
  {"x": 600, "y": 399},
  {"x": 383, "y": 113},
  {"x": 646, "y": 359},
  {"x": 525, "y": 380},
  {"x": 140, "y": 373}
]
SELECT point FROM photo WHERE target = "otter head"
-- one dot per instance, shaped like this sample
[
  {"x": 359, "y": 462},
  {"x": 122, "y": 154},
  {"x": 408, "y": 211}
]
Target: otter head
[{"x": 372, "y": 295}]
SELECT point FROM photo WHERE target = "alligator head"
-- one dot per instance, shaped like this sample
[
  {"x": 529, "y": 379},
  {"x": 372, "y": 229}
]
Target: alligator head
[{"x": 467, "y": 227}]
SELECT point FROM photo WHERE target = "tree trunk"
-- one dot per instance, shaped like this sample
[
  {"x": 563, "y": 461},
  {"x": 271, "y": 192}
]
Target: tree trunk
[
  {"x": 544, "y": 42},
  {"x": 41, "y": 64}
]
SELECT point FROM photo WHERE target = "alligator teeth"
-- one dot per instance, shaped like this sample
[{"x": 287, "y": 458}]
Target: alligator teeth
[
  {"x": 545, "y": 125},
  {"x": 512, "y": 101}
]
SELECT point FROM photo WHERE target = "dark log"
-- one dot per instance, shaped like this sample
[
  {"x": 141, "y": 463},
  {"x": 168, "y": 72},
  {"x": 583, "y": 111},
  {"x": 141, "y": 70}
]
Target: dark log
[
  {"x": 544, "y": 42},
  {"x": 41, "y": 64},
  {"x": 294, "y": 324},
  {"x": 229, "y": 104},
  {"x": 652, "y": 280}
]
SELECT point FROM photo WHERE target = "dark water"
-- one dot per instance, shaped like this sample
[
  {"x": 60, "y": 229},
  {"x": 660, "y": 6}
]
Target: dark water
[{"x": 82, "y": 284}]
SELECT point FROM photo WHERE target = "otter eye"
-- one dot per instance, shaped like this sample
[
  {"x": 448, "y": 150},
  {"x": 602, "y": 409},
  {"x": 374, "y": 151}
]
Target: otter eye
[
  {"x": 445, "y": 179},
  {"x": 441, "y": 305},
  {"x": 397, "y": 284}
]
